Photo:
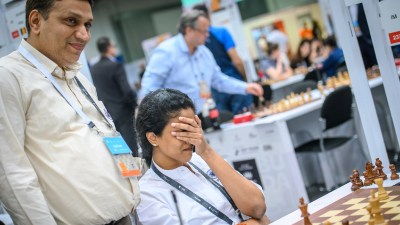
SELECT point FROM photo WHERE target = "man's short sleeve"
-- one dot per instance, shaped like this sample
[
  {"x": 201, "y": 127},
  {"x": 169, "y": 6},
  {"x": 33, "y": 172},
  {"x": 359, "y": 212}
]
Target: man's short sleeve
[{"x": 223, "y": 35}]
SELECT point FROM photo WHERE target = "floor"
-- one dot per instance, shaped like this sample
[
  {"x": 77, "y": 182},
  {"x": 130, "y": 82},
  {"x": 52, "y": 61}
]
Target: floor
[{"x": 316, "y": 191}]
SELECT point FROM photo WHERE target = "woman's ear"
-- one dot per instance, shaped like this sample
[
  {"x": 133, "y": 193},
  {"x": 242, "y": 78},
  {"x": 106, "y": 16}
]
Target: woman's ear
[{"x": 152, "y": 138}]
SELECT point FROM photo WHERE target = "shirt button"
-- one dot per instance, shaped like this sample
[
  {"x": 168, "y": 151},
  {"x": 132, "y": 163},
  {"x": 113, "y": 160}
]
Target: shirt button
[{"x": 57, "y": 71}]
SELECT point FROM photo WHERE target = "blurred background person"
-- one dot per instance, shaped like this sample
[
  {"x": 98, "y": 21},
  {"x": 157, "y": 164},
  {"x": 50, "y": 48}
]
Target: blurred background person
[
  {"x": 142, "y": 69},
  {"x": 113, "y": 89},
  {"x": 306, "y": 32},
  {"x": 184, "y": 63},
  {"x": 222, "y": 46},
  {"x": 334, "y": 57},
  {"x": 301, "y": 61},
  {"x": 316, "y": 51},
  {"x": 316, "y": 30},
  {"x": 274, "y": 65},
  {"x": 363, "y": 35},
  {"x": 276, "y": 36}
]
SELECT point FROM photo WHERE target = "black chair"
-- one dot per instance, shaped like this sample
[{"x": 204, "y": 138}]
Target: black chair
[
  {"x": 335, "y": 111},
  {"x": 303, "y": 86},
  {"x": 314, "y": 75}
]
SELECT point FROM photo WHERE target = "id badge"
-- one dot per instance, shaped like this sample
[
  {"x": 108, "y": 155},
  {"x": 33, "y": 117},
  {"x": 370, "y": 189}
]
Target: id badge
[
  {"x": 205, "y": 92},
  {"x": 122, "y": 156}
]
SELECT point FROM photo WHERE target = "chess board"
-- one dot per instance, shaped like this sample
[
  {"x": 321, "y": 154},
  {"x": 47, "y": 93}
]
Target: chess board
[{"x": 353, "y": 208}]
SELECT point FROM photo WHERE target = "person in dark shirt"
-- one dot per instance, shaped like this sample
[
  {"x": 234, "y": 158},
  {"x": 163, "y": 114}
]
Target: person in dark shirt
[
  {"x": 335, "y": 57},
  {"x": 222, "y": 46},
  {"x": 113, "y": 89}
]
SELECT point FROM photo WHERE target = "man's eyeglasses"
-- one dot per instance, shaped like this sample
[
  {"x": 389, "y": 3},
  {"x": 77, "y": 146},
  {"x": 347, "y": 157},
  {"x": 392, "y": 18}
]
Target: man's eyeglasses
[{"x": 203, "y": 32}]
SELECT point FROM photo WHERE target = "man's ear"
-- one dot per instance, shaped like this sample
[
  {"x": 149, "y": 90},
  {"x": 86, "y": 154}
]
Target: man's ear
[
  {"x": 35, "y": 19},
  {"x": 152, "y": 138}
]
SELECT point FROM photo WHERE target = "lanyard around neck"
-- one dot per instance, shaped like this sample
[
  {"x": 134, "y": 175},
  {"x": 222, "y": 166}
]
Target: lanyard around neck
[
  {"x": 89, "y": 97},
  {"x": 220, "y": 188},
  {"x": 28, "y": 56},
  {"x": 192, "y": 195}
]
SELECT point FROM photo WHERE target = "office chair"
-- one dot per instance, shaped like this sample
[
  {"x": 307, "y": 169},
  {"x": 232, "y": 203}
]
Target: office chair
[
  {"x": 303, "y": 86},
  {"x": 335, "y": 111}
]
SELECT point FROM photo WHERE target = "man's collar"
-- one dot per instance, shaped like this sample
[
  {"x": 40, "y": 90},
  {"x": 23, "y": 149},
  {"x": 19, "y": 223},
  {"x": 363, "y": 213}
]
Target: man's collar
[
  {"x": 51, "y": 66},
  {"x": 176, "y": 174},
  {"x": 182, "y": 43}
]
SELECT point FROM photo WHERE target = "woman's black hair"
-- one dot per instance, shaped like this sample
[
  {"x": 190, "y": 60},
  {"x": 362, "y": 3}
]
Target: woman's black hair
[
  {"x": 154, "y": 112},
  {"x": 302, "y": 42}
]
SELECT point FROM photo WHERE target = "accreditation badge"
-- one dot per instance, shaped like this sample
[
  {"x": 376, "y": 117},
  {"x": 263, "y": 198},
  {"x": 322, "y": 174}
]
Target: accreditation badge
[
  {"x": 205, "y": 92},
  {"x": 122, "y": 156}
]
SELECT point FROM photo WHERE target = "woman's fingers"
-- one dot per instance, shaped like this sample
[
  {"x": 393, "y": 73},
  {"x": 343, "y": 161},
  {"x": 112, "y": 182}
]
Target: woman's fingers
[
  {"x": 193, "y": 141},
  {"x": 198, "y": 121}
]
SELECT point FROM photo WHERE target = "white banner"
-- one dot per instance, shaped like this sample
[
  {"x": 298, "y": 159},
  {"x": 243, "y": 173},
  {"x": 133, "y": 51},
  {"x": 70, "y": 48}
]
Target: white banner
[{"x": 390, "y": 18}]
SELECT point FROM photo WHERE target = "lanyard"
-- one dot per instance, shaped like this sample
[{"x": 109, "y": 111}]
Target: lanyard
[
  {"x": 192, "y": 195},
  {"x": 28, "y": 56},
  {"x": 220, "y": 188},
  {"x": 89, "y": 97}
]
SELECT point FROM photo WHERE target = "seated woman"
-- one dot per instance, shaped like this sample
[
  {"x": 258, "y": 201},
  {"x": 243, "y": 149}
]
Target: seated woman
[
  {"x": 301, "y": 60},
  {"x": 208, "y": 190},
  {"x": 273, "y": 65}
]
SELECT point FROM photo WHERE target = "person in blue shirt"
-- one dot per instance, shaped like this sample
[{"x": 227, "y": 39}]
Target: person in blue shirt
[
  {"x": 335, "y": 57},
  {"x": 222, "y": 46},
  {"x": 184, "y": 63}
]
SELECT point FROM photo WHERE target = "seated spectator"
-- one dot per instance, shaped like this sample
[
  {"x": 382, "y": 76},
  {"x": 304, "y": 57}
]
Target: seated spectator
[
  {"x": 168, "y": 132},
  {"x": 301, "y": 60},
  {"x": 334, "y": 57},
  {"x": 273, "y": 65},
  {"x": 316, "y": 51}
]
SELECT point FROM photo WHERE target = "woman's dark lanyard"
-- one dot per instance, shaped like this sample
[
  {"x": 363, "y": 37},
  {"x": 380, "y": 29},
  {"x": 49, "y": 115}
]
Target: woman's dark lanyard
[
  {"x": 197, "y": 198},
  {"x": 28, "y": 56}
]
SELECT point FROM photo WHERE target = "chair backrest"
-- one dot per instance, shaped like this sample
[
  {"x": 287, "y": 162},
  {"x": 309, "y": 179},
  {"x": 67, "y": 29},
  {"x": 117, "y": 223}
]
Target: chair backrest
[
  {"x": 303, "y": 86},
  {"x": 314, "y": 75},
  {"x": 336, "y": 108}
]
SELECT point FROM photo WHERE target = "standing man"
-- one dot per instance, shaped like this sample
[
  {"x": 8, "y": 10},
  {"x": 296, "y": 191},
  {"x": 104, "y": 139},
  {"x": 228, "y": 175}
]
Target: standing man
[
  {"x": 222, "y": 46},
  {"x": 113, "y": 89},
  {"x": 54, "y": 166},
  {"x": 184, "y": 63}
]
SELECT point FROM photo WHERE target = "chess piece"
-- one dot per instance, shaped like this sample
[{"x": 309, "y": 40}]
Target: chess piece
[
  {"x": 321, "y": 89},
  {"x": 304, "y": 213},
  {"x": 379, "y": 169},
  {"x": 369, "y": 174},
  {"x": 345, "y": 222},
  {"x": 376, "y": 209},
  {"x": 309, "y": 96},
  {"x": 357, "y": 182},
  {"x": 367, "y": 181},
  {"x": 353, "y": 183},
  {"x": 303, "y": 97},
  {"x": 327, "y": 223},
  {"x": 329, "y": 83},
  {"x": 371, "y": 220},
  {"x": 394, "y": 175},
  {"x": 382, "y": 194}
]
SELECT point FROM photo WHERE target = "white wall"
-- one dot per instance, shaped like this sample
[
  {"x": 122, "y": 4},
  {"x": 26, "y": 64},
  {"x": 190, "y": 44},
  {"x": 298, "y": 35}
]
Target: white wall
[
  {"x": 167, "y": 20},
  {"x": 104, "y": 10}
]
